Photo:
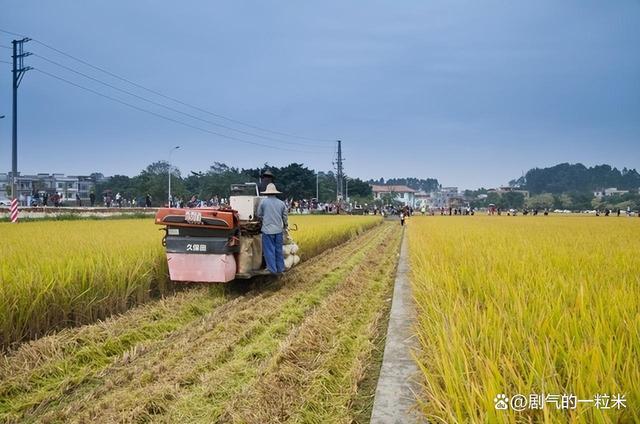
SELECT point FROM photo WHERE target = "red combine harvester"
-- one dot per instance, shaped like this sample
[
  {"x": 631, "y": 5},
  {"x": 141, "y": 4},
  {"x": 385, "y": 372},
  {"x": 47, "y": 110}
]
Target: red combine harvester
[{"x": 217, "y": 245}]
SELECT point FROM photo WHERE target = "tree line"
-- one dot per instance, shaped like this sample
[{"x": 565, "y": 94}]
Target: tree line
[
  {"x": 295, "y": 181},
  {"x": 574, "y": 201},
  {"x": 427, "y": 185},
  {"x": 566, "y": 186},
  {"x": 577, "y": 178}
]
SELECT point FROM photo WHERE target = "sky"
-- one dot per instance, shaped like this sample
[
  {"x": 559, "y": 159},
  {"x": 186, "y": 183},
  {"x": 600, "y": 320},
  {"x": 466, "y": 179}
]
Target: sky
[{"x": 473, "y": 93}]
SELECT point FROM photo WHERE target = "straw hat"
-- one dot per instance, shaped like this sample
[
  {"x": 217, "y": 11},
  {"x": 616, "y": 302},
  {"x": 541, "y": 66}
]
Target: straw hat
[{"x": 271, "y": 189}]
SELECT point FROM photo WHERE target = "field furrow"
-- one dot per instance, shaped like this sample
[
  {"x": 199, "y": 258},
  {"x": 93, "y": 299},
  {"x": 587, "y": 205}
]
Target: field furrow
[{"x": 316, "y": 372}]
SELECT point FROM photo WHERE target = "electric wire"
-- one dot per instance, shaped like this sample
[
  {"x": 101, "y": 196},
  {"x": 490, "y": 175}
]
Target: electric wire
[
  {"x": 53, "y": 62},
  {"x": 157, "y": 93},
  {"x": 167, "y": 118}
]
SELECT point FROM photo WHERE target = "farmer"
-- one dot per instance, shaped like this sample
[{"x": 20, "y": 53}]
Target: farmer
[
  {"x": 273, "y": 213},
  {"x": 266, "y": 178}
]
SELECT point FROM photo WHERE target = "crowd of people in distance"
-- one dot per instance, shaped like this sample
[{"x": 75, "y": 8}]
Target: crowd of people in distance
[{"x": 304, "y": 206}]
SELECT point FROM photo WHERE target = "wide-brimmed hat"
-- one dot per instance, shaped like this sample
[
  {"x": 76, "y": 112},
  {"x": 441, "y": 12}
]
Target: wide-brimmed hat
[
  {"x": 267, "y": 173},
  {"x": 271, "y": 189}
]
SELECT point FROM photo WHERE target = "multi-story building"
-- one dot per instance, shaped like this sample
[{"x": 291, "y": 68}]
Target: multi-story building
[
  {"x": 507, "y": 189},
  {"x": 612, "y": 191},
  {"x": 423, "y": 199},
  {"x": 4, "y": 188},
  {"x": 29, "y": 187},
  {"x": 446, "y": 197},
  {"x": 399, "y": 193}
]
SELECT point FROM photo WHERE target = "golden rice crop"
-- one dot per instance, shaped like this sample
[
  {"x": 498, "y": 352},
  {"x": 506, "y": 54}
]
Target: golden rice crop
[
  {"x": 68, "y": 272},
  {"x": 318, "y": 233},
  {"x": 59, "y": 273},
  {"x": 522, "y": 306}
]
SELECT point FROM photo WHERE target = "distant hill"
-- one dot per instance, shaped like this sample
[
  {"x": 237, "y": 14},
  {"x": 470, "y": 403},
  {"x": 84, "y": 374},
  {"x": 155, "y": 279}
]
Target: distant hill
[{"x": 567, "y": 178}]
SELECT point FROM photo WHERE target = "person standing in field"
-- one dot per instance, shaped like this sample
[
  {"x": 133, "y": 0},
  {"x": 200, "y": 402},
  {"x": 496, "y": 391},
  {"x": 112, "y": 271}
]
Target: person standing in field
[
  {"x": 266, "y": 178},
  {"x": 402, "y": 216},
  {"x": 273, "y": 214}
]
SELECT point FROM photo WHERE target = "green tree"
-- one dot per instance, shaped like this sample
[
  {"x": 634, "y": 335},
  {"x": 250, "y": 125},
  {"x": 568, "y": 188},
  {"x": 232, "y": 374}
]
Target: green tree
[
  {"x": 390, "y": 199},
  {"x": 296, "y": 181},
  {"x": 581, "y": 200},
  {"x": 326, "y": 187},
  {"x": 541, "y": 201},
  {"x": 512, "y": 200},
  {"x": 565, "y": 177},
  {"x": 563, "y": 201},
  {"x": 154, "y": 180},
  {"x": 359, "y": 189},
  {"x": 494, "y": 198}
]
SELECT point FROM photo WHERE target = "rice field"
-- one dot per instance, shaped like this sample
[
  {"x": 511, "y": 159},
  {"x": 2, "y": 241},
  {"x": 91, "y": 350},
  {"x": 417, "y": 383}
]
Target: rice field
[
  {"x": 527, "y": 306},
  {"x": 300, "y": 349},
  {"x": 542, "y": 307},
  {"x": 60, "y": 273}
]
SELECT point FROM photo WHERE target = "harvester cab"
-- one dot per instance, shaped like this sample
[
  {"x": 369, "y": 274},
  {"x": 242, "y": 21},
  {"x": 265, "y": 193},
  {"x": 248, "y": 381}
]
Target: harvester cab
[{"x": 218, "y": 244}]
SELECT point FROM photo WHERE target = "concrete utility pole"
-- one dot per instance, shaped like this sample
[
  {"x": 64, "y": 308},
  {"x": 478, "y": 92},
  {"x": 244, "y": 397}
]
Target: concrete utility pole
[
  {"x": 18, "y": 72},
  {"x": 340, "y": 173}
]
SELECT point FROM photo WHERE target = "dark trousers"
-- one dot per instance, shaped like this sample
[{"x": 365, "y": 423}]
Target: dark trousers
[{"x": 272, "y": 251}]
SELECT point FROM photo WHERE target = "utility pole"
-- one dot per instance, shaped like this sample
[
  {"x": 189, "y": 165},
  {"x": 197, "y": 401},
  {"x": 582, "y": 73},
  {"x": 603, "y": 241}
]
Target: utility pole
[
  {"x": 317, "y": 188},
  {"x": 340, "y": 173},
  {"x": 18, "y": 72}
]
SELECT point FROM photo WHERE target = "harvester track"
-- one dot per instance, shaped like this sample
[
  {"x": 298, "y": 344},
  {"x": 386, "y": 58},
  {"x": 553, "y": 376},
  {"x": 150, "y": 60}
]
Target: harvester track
[{"x": 279, "y": 352}]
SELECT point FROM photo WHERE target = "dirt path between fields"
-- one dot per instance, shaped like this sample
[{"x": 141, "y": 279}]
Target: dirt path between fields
[{"x": 292, "y": 351}]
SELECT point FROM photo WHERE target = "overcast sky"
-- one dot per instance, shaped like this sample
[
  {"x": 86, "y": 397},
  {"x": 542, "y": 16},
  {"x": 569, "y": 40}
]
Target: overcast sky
[{"x": 470, "y": 92}]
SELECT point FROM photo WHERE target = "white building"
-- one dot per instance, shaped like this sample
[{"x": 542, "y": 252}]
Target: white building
[
  {"x": 400, "y": 193},
  {"x": 612, "y": 191},
  {"x": 27, "y": 186},
  {"x": 4, "y": 183},
  {"x": 423, "y": 199},
  {"x": 506, "y": 189},
  {"x": 446, "y": 197}
]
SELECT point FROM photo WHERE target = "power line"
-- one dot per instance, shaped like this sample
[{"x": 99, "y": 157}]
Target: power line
[
  {"x": 114, "y": 99},
  {"x": 4, "y": 61},
  {"x": 12, "y": 33},
  {"x": 169, "y": 107},
  {"x": 157, "y": 93}
]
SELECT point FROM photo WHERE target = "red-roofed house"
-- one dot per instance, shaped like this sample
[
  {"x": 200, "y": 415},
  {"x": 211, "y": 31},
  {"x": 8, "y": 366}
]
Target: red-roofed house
[{"x": 401, "y": 193}]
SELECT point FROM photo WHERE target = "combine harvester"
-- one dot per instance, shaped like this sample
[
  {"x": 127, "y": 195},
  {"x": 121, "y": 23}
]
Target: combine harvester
[{"x": 218, "y": 245}]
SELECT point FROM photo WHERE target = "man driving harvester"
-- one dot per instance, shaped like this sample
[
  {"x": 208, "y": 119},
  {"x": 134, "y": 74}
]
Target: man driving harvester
[
  {"x": 266, "y": 178},
  {"x": 273, "y": 214}
]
